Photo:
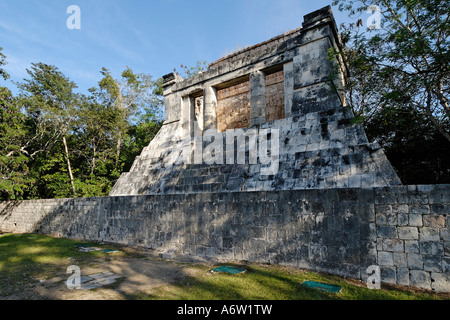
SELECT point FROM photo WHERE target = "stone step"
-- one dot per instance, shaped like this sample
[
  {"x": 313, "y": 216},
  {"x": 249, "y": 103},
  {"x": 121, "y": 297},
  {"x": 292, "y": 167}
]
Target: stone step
[
  {"x": 193, "y": 180},
  {"x": 203, "y": 178},
  {"x": 199, "y": 188}
]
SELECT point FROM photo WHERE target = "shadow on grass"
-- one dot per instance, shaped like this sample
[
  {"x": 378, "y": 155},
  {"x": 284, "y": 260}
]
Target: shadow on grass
[
  {"x": 262, "y": 282},
  {"x": 25, "y": 259}
]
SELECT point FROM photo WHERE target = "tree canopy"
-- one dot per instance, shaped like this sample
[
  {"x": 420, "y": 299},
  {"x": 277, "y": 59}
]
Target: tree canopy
[
  {"x": 56, "y": 142},
  {"x": 404, "y": 62},
  {"x": 397, "y": 82}
]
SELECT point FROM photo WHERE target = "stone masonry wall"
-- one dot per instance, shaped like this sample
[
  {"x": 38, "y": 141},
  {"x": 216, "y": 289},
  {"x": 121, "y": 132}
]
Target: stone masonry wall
[
  {"x": 405, "y": 230},
  {"x": 413, "y": 235}
]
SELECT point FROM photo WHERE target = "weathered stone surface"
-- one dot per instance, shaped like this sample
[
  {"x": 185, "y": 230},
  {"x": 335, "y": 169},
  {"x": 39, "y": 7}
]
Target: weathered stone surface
[
  {"x": 400, "y": 259},
  {"x": 429, "y": 234},
  {"x": 322, "y": 230},
  {"x": 435, "y": 221},
  {"x": 415, "y": 220},
  {"x": 393, "y": 245},
  {"x": 388, "y": 232},
  {"x": 415, "y": 261},
  {"x": 403, "y": 276},
  {"x": 420, "y": 279},
  {"x": 408, "y": 233},
  {"x": 385, "y": 258},
  {"x": 440, "y": 282},
  {"x": 411, "y": 246}
]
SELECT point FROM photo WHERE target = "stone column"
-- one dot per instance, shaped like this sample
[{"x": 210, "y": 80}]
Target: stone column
[
  {"x": 311, "y": 64},
  {"x": 288, "y": 69},
  {"x": 172, "y": 100},
  {"x": 209, "y": 108},
  {"x": 188, "y": 116},
  {"x": 257, "y": 98},
  {"x": 312, "y": 70}
]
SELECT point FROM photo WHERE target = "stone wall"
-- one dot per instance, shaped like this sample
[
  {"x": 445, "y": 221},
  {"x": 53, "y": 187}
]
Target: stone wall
[
  {"x": 413, "y": 235},
  {"x": 405, "y": 230}
]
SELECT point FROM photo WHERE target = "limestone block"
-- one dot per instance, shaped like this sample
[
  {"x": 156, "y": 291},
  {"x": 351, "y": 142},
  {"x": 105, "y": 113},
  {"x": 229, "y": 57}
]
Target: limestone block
[
  {"x": 431, "y": 248},
  {"x": 445, "y": 234},
  {"x": 429, "y": 234},
  {"x": 403, "y": 276},
  {"x": 415, "y": 220},
  {"x": 311, "y": 64},
  {"x": 385, "y": 258},
  {"x": 389, "y": 232},
  {"x": 415, "y": 261},
  {"x": 411, "y": 246},
  {"x": 408, "y": 233},
  {"x": 440, "y": 282},
  {"x": 400, "y": 259},
  {"x": 393, "y": 245},
  {"x": 388, "y": 274},
  {"x": 421, "y": 279},
  {"x": 434, "y": 221},
  {"x": 432, "y": 263}
]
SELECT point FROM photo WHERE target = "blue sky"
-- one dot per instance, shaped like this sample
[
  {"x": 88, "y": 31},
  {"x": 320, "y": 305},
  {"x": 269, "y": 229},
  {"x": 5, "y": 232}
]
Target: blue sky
[{"x": 150, "y": 36}]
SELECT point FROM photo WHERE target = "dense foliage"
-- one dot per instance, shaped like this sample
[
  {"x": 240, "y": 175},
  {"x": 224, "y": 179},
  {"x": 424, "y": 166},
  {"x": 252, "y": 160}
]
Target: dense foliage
[
  {"x": 397, "y": 83},
  {"x": 56, "y": 142}
]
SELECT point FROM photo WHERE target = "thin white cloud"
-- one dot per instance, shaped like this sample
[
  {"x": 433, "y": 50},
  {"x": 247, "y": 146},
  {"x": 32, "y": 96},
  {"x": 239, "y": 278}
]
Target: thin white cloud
[{"x": 16, "y": 66}]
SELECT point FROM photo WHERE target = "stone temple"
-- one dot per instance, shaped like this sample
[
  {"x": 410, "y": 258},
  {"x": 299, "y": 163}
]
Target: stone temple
[{"x": 265, "y": 118}]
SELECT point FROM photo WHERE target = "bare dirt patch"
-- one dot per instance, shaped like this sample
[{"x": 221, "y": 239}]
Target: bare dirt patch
[{"x": 139, "y": 274}]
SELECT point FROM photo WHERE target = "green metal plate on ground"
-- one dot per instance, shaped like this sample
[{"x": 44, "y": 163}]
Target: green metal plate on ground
[
  {"x": 86, "y": 248},
  {"x": 108, "y": 250},
  {"x": 228, "y": 270},
  {"x": 322, "y": 286}
]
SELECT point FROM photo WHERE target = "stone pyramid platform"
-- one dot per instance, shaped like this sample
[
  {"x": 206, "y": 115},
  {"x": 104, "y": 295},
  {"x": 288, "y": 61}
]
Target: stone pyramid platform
[{"x": 317, "y": 145}]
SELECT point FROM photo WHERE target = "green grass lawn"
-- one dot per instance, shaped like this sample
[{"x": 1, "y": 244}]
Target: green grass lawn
[
  {"x": 26, "y": 258},
  {"x": 261, "y": 282}
]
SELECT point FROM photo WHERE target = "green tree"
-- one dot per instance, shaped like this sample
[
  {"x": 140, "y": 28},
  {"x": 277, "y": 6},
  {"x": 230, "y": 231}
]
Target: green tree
[
  {"x": 96, "y": 123},
  {"x": 51, "y": 103},
  {"x": 14, "y": 179},
  {"x": 131, "y": 96},
  {"x": 58, "y": 143},
  {"x": 189, "y": 72},
  {"x": 405, "y": 62},
  {"x": 3, "y": 73},
  {"x": 94, "y": 140}
]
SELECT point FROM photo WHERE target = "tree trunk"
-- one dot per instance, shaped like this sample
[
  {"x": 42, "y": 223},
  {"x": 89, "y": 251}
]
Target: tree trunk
[
  {"x": 69, "y": 167},
  {"x": 119, "y": 144},
  {"x": 93, "y": 160}
]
